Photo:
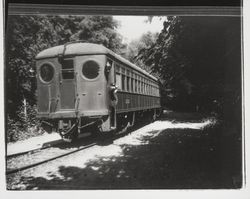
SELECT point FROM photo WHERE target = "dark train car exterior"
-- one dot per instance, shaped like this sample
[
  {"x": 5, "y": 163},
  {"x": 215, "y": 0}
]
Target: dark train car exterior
[{"x": 82, "y": 84}]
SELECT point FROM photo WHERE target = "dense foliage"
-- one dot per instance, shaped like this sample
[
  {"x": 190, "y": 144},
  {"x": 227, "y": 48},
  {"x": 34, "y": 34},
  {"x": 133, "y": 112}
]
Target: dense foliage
[
  {"x": 137, "y": 45},
  {"x": 199, "y": 62},
  {"x": 26, "y": 36}
]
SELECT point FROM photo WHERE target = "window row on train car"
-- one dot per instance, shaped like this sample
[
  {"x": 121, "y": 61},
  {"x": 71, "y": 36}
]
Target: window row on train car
[{"x": 135, "y": 82}]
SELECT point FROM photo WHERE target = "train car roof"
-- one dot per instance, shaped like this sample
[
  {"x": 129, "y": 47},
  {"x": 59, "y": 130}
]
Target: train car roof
[{"x": 77, "y": 49}]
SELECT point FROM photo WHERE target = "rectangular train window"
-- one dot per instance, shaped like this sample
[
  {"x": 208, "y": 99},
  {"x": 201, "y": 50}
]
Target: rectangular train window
[
  {"x": 117, "y": 68},
  {"x": 141, "y": 87},
  {"x": 135, "y": 85},
  {"x": 118, "y": 81},
  {"x": 128, "y": 83},
  {"x": 138, "y": 84},
  {"x": 128, "y": 73},
  {"x": 67, "y": 69},
  {"x": 123, "y": 70},
  {"x": 132, "y": 84},
  {"x": 123, "y": 82}
]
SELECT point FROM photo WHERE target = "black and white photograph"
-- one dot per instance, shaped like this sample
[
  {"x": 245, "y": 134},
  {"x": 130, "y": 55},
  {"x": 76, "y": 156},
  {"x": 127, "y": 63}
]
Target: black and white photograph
[{"x": 112, "y": 98}]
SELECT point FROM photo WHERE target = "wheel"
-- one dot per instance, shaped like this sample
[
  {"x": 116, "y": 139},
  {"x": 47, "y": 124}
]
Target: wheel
[
  {"x": 69, "y": 135},
  {"x": 154, "y": 117},
  {"x": 95, "y": 131}
]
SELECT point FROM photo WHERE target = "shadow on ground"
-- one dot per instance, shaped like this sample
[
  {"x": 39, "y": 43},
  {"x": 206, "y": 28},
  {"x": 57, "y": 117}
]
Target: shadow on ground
[{"x": 176, "y": 159}]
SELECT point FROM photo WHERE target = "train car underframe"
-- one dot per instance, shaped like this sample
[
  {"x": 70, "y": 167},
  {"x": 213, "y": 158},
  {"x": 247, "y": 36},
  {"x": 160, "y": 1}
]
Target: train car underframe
[{"x": 70, "y": 128}]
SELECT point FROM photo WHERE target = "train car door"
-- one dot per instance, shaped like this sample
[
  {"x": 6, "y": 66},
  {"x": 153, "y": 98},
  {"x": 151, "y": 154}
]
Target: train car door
[
  {"x": 67, "y": 84},
  {"x": 91, "y": 85},
  {"x": 111, "y": 83}
]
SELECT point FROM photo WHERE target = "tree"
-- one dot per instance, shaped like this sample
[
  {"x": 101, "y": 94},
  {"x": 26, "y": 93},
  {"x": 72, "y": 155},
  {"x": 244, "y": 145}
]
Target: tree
[
  {"x": 137, "y": 45},
  {"x": 26, "y": 36},
  {"x": 199, "y": 62},
  {"x": 101, "y": 30}
]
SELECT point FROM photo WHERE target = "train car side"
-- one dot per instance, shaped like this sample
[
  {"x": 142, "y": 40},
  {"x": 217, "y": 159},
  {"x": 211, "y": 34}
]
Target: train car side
[{"x": 138, "y": 92}]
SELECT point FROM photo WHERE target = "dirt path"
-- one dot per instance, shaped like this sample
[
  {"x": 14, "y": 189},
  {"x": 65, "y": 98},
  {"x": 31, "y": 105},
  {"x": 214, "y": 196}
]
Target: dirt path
[{"x": 170, "y": 155}]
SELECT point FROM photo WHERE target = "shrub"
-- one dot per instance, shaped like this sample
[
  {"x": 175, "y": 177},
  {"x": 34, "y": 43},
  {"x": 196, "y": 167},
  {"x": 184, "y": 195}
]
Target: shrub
[{"x": 24, "y": 125}]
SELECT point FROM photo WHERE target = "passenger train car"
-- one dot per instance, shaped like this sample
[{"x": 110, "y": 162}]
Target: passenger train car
[{"x": 85, "y": 84}]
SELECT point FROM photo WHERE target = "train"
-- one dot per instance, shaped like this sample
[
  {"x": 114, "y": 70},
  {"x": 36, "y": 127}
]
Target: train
[{"x": 82, "y": 85}]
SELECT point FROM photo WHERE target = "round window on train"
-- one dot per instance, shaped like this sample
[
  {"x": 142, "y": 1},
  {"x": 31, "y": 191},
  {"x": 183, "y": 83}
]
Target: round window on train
[
  {"x": 46, "y": 72},
  {"x": 90, "y": 69}
]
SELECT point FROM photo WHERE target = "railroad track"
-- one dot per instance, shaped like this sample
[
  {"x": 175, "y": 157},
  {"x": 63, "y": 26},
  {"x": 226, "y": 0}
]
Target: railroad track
[
  {"x": 56, "y": 143},
  {"x": 30, "y": 151},
  {"x": 32, "y": 155},
  {"x": 15, "y": 170}
]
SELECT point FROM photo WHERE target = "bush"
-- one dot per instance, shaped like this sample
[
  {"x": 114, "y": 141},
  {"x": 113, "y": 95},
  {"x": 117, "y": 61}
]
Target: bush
[{"x": 23, "y": 126}]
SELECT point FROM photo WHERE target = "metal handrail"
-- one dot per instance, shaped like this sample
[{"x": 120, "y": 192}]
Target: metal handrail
[{"x": 60, "y": 56}]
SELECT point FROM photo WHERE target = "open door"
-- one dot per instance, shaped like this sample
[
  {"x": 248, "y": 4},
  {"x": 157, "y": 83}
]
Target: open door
[
  {"x": 67, "y": 84},
  {"x": 110, "y": 74}
]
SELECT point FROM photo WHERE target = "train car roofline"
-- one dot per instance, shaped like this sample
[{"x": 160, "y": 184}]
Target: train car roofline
[{"x": 93, "y": 49}]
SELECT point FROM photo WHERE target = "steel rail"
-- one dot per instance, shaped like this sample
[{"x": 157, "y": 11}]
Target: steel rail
[
  {"x": 117, "y": 135},
  {"x": 58, "y": 143},
  {"x": 11, "y": 171},
  {"x": 26, "y": 152}
]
